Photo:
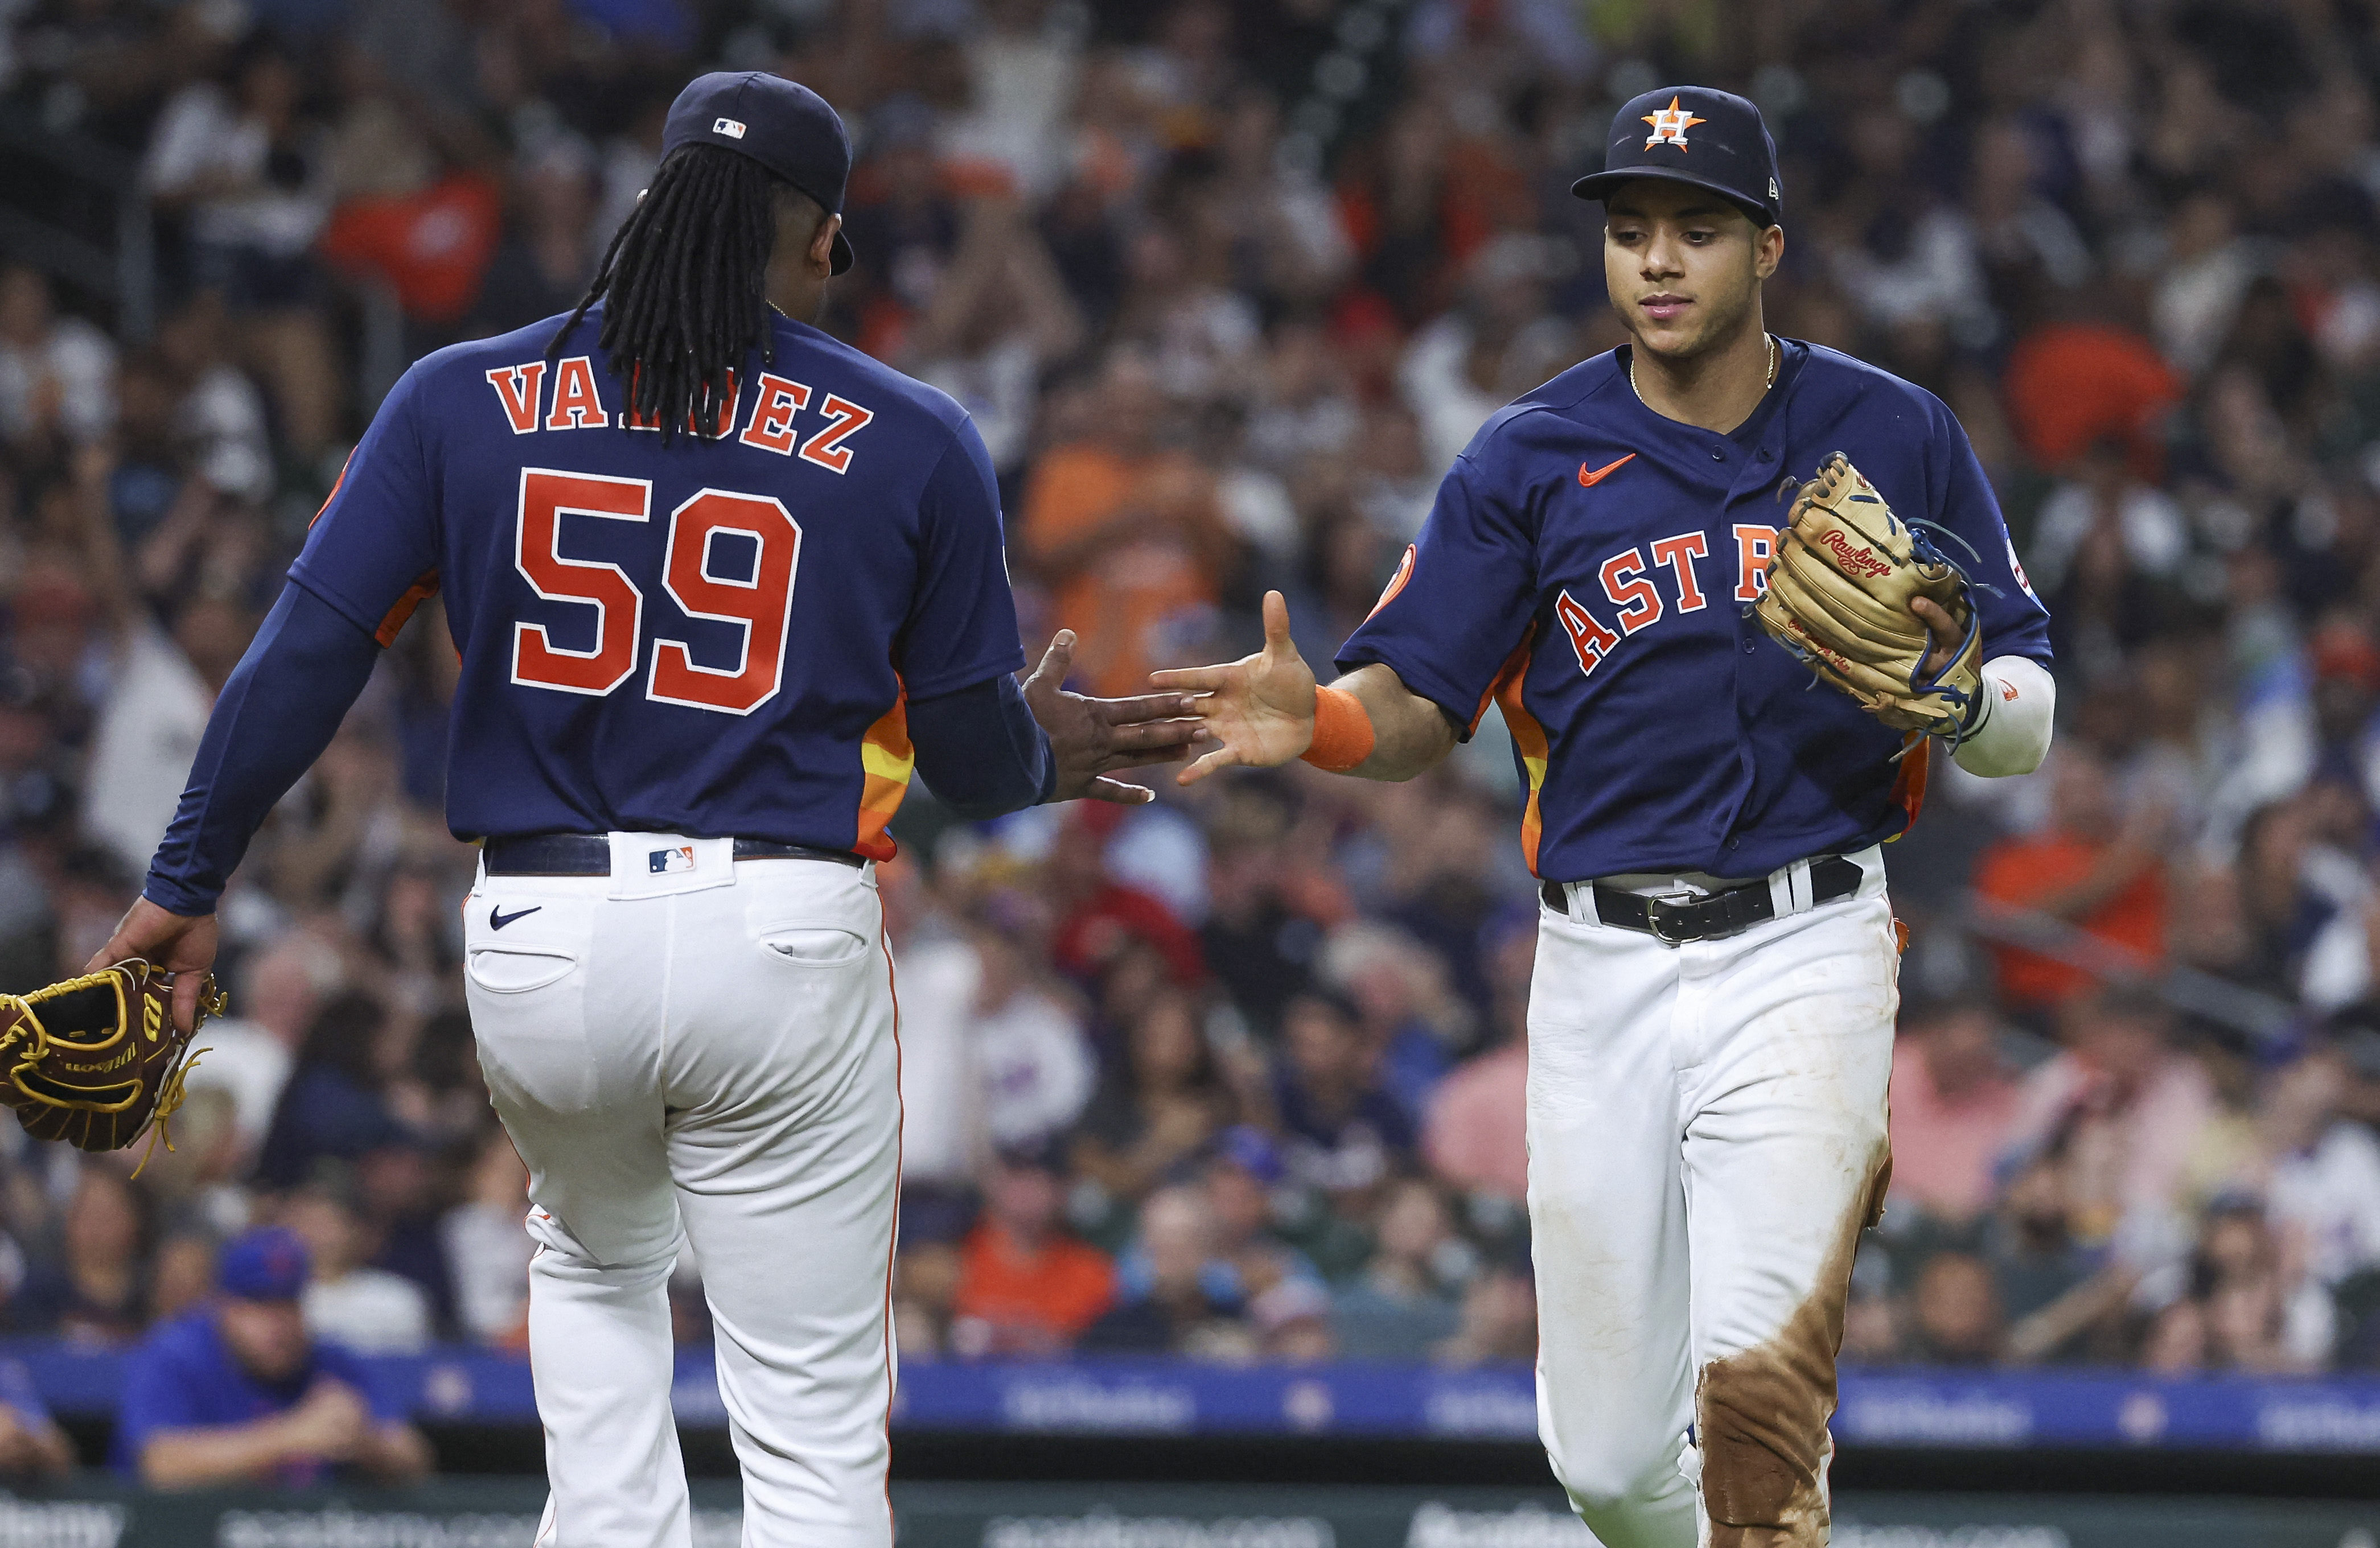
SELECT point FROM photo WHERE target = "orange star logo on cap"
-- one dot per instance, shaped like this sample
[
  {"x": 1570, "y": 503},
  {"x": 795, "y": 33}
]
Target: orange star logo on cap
[{"x": 1670, "y": 126}]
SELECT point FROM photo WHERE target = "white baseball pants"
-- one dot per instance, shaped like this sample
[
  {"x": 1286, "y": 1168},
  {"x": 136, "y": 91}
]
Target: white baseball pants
[
  {"x": 1706, "y": 1141},
  {"x": 705, "y": 1044}
]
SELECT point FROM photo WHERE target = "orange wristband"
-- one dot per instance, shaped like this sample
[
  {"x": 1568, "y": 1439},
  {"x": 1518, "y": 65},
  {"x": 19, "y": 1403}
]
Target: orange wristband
[{"x": 1342, "y": 731}]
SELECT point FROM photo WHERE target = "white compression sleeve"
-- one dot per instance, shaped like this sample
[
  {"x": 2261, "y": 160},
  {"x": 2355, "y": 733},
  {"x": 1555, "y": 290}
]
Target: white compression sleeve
[{"x": 2020, "y": 698}]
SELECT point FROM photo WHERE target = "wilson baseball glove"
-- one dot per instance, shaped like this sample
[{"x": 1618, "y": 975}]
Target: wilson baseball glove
[
  {"x": 1840, "y": 583},
  {"x": 96, "y": 1060}
]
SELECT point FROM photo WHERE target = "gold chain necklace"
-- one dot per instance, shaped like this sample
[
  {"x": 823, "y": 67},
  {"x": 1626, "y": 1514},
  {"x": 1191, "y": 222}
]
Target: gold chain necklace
[{"x": 1776, "y": 358}]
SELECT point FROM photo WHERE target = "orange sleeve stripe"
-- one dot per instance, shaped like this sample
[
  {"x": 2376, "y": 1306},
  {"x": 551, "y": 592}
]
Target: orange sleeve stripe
[
  {"x": 335, "y": 485},
  {"x": 399, "y": 616},
  {"x": 1397, "y": 580}
]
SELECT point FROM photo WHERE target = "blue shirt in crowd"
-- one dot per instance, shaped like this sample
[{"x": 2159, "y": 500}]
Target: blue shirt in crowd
[{"x": 184, "y": 1376}]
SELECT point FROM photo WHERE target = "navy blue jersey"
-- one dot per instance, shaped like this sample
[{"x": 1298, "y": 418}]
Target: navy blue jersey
[
  {"x": 716, "y": 635},
  {"x": 1588, "y": 567}
]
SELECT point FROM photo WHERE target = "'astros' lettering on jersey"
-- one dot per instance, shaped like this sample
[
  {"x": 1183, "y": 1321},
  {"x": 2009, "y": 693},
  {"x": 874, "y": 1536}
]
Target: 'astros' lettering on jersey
[
  {"x": 718, "y": 636},
  {"x": 1587, "y": 568}
]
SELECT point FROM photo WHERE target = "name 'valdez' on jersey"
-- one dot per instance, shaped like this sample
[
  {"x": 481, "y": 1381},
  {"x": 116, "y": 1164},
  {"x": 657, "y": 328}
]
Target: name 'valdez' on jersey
[
  {"x": 715, "y": 634},
  {"x": 1587, "y": 567}
]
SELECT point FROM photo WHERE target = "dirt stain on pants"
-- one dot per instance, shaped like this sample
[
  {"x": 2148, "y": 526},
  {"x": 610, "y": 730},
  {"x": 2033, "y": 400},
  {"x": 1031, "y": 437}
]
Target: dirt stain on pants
[{"x": 1761, "y": 1415}]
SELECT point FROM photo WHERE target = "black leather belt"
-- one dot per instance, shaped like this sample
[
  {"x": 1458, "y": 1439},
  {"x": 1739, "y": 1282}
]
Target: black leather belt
[
  {"x": 589, "y": 854},
  {"x": 1722, "y": 913}
]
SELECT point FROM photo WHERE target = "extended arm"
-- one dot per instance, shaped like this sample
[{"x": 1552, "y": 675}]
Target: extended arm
[
  {"x": 1262, "y": 710},
  {"x": 993, "y": 746},
  {"x": 1410, "y": 734},
  {"x": 980, "y": 749},
  {"x": 278, "y": 710}
]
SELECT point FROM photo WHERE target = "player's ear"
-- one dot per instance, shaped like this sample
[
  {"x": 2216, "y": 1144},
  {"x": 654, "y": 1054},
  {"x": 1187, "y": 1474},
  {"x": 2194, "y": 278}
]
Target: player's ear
[
  {"x": 821, "y": 249},
  {"x": 1768, "y": 250}
]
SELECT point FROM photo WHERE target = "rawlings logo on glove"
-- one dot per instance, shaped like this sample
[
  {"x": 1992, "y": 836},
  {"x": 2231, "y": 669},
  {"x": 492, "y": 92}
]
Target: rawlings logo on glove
[
  {"x": 1860, "y": 560},
  {"x": 1841, "y": 584}
]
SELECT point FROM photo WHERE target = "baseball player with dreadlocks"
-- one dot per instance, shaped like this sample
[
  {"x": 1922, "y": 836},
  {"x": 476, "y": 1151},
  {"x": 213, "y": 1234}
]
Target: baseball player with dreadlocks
[
  {"x": 719, "y": 583},
  {"x": 1710, "y": 1024}
]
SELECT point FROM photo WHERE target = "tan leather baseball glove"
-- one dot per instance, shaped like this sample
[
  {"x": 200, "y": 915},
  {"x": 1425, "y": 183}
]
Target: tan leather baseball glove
[{"x": 1840, "y": 584}]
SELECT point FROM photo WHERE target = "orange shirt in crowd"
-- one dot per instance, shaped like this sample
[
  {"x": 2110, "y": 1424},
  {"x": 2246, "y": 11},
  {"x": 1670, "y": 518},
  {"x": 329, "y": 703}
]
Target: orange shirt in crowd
[
  {"x": 1144, "y": 597},
  {"x": 431, "y": 248},
  {"x": 1031, "y": 1300},
  {"x": 2019, "y": 872},
  {"x": 2071, "y": 383}
]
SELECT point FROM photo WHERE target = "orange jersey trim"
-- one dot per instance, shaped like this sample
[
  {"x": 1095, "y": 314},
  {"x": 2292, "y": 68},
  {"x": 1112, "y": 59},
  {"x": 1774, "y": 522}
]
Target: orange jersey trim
[
  {"x": 887, "y": 759},
  {"x": 399, "y": 616},
  {"x": 1396, "y": 582},
  {"x": 1528, "y": 739},
  {"x": 1909, "y": 785},
  {"x": 335, "y": 483}
]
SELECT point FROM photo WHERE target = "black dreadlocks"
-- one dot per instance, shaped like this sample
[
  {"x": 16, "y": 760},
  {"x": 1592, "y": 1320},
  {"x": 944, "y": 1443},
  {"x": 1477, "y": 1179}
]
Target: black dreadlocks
[{"x": 687, "y": 282}]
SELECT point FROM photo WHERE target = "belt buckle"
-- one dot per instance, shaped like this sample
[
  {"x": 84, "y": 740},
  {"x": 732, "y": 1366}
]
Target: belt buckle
[{"x": 1655, "y": 910}]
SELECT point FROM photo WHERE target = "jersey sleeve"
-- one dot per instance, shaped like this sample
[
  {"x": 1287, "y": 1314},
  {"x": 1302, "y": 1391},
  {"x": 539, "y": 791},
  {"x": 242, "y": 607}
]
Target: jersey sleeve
[
  {"x": 2015, "y": 621},
  {"x": 1462, "y": 597},
  {"x": 962, "y": 623},
  {"x": 159, "y": 1395},
  {"x": 372, "y": 552}
]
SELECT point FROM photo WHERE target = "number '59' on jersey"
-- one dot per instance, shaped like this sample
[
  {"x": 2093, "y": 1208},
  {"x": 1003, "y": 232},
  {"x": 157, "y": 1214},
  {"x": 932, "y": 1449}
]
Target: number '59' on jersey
[
  {"x": 715, "y": 634},
  {"x": 1587, "y": 568}
]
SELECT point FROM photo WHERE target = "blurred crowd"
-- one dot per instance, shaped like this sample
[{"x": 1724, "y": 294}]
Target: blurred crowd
[{"x": 1226, "y": 283}]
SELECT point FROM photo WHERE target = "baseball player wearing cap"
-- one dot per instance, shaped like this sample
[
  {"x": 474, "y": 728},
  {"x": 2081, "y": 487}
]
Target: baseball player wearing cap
[
  {"x": 718, "y": 584},
  {"x": 1710, "y": 1026}
]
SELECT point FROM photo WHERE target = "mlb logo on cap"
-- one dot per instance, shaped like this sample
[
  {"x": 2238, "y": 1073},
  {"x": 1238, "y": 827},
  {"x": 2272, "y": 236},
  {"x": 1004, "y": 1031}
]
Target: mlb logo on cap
[
  {"x": 782, "y": 124},
  {"x": 663, "y": 860}
]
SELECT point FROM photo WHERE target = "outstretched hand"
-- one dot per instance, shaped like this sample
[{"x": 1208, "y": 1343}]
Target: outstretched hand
[
  {"x": 1259, "y": 708},
  {"x": 1091, "y": 737},
  {"x": 182, "y": 944}
]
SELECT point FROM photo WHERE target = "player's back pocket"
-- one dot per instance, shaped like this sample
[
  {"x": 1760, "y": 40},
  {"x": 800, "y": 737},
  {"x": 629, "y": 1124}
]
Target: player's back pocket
[
  {"x": 517, "y": 970},
  {"x": 814, "y": 944}
]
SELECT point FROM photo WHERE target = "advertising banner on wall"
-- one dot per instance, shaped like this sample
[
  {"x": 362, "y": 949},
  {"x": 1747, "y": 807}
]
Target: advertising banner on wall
[
  {"x": 2002, "y": 1410},
  {"x": 502, "y": 1513}
]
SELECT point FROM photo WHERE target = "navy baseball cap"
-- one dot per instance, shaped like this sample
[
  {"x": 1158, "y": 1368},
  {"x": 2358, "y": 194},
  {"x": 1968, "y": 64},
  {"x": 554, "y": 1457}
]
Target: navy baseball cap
[
  {"x": 1692, "y": 134},
  {"x": 782, "y": 124},
  {"x": 267, "y": 1264}
]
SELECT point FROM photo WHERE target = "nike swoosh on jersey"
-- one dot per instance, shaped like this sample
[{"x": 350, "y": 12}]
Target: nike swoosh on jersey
[
  {"x": 1588, "y": 480},
  {"x": 497, "y": 919}
]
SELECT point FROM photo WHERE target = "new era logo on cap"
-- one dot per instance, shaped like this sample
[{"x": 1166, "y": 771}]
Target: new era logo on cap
[{"x": 729, "y": 127}]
